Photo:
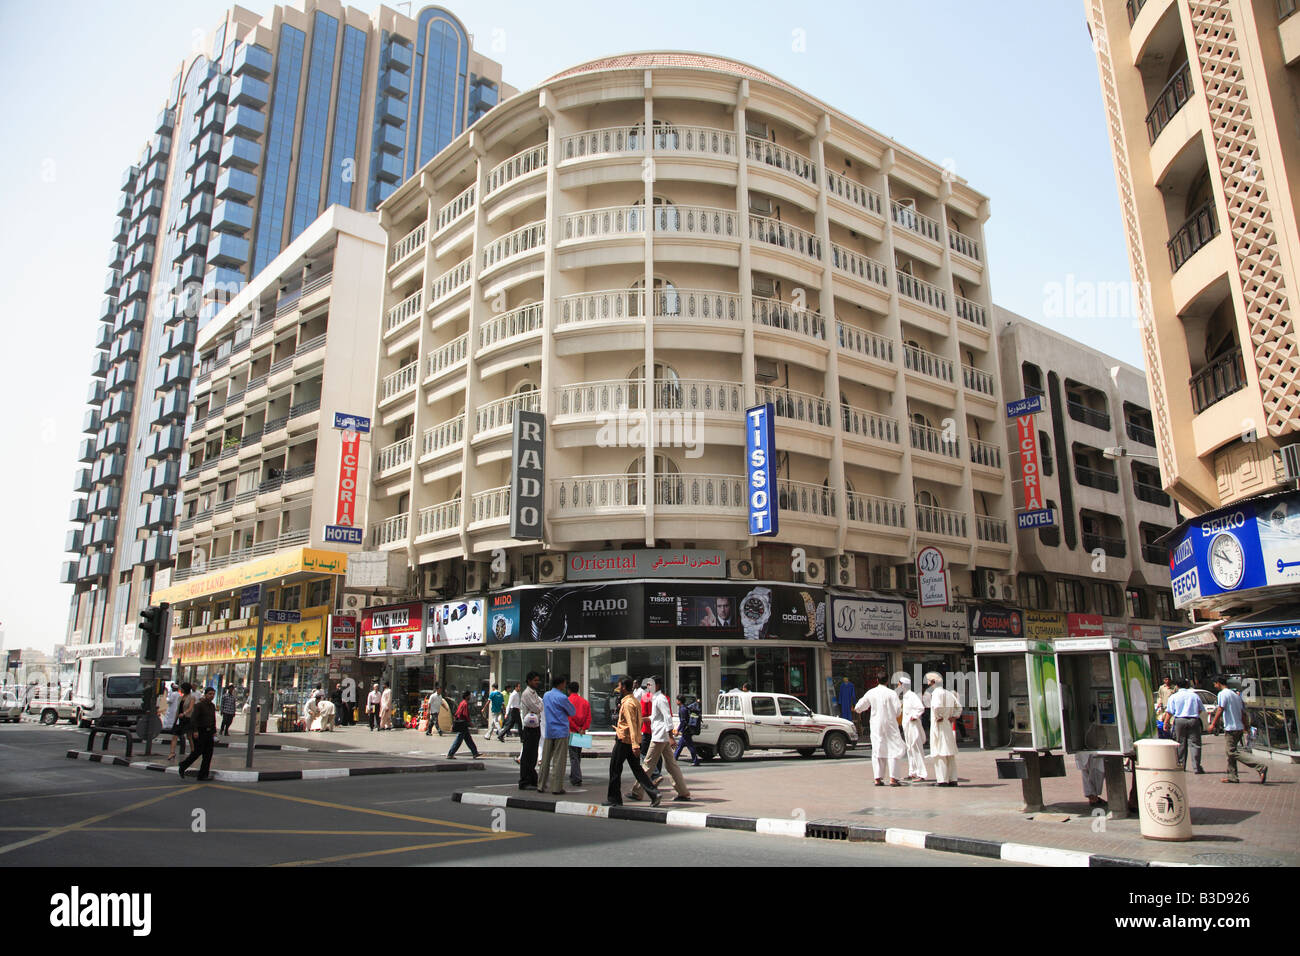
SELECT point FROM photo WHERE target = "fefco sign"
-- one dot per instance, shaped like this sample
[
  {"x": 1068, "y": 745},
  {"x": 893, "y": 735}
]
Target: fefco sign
[
  {"x": 1253, "y": 544},
  {"x": 527, "y": 476},
  {"x": 760, "y": 446}
]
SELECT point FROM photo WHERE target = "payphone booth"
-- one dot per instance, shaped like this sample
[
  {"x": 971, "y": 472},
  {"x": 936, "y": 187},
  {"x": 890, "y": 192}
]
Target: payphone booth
[
  {"x": 1106, "y": 703},
  {"x": 1018, "y": 693}
]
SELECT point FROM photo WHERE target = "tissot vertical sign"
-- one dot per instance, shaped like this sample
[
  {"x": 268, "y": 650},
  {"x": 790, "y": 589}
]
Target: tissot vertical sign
[
  {"x": 528, "y": 476},
  {"x": 760, "y": 447}
]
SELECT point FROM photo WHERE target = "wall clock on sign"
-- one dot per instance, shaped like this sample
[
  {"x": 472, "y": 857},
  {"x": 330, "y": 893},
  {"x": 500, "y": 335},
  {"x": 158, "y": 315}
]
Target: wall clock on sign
[{"x": 1227, "y": 560}]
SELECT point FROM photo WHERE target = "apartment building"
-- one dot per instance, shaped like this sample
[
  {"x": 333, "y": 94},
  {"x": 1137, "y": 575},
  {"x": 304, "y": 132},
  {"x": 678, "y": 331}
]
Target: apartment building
[
  {"x": 640, "y": 249},
  {"x": 279, "y": 118},
  {"x": 268, "y": 473},
  {"x": 1200, "y": 100}
]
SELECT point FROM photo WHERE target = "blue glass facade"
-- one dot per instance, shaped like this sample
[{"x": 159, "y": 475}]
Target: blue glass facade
[
  {"x": 315, "y": 124},
  {"x": 279, "y": 146},
  {"x": 388, "y": 133},
  {"x": 438, "y": 94},
  {"x": 347, "y": 114}
]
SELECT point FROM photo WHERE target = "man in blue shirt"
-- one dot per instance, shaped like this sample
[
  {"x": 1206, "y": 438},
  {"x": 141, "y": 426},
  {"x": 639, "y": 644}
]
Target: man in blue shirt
[
  {"x": 1230, "y": 709},
  {"x": 555, "y": 745},
  {"x": 1186, "y": 708}
]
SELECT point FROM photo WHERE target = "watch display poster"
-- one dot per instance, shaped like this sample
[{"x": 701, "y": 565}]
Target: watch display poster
[
  {"x": 730, "y": 611},
  {"x": 586, "y": 612}
]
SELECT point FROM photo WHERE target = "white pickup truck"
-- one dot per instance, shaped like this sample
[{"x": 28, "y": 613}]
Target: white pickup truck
[{"x": 754, "y": 721}]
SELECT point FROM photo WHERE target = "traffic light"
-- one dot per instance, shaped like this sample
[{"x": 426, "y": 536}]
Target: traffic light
[{"x": 153, "y": 627}]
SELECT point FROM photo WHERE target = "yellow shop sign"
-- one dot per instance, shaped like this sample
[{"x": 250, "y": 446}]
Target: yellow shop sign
[{"x": 297, "y": 561}]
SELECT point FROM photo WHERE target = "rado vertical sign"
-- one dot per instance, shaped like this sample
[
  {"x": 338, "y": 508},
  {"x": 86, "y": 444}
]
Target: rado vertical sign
[{"x": 527, "y": 475}]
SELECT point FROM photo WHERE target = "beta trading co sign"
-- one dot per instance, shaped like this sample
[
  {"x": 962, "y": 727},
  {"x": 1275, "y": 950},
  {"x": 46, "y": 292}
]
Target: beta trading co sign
[
  {"x": 527, "y": 476},
  {"x": 760, "y": 446}
]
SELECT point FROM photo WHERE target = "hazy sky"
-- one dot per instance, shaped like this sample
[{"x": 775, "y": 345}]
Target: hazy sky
[{"x": 1004, "y": 93}]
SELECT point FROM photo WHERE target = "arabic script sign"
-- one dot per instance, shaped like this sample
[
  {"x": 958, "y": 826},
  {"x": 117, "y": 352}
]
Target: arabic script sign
[{"x": 646, "y": 563}]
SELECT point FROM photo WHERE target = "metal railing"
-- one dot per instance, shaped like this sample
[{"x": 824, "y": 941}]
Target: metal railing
[
  {"x": 866, "y": 343},
  {"x": 521, "y": 241},
  {"x": 520, "y": 164},
  {"x": 309, "y": 346},
  {"x": 442, "y": 518},
  {"x": 1150, "y": 494},
  {"x": 770, "y": 154},
  {"x": 798, "y": 406},
  {"x": 988, "y": 528},
  {"x": 1088, "y": 416},
  {"x": 696, "y": 221},
  {"x": 275, "y": 424},
  {"x": 927, "y": 363},
  {"x": 1221, "y": 378},
  {"x": 859, "y": 266},
  {"x": 778, "y": 233},
  {"x": 696, "y": 304},
  {"x": 595, "y": 398},
  {"x": 806, "y": 498},
  {"x": 854, "y": 193},
  {"x": 491, "y": 505},
  {"x": 1112, "y": 546},
  {"x": 932, "y": 440},
  {"x": 453, "y": 280},
  {"x": 509, "y": 325},
  {"x": 395, "y": 455},
  {"x": 404, "y": 311},
  {"x": 985, "y": 453},
  {"x": 872, "y": 509},
  {"x": 603, "y": 223},
  {"x": 699, "y": 395},
  {"x": 501, "y": 413},
  {"x": 279, "y": 365},
  {"x": 449, "y": 355},
  {"x": 921, "y": 291},
  {"x": 910, "y": 219},
  {"x": 977, "y": 380},
  {"x": 409, "y": 243},
  {"x": 704, "y": 493},
  {"x": 403, "y": 380},
  {"x": 940, "y": 521},
  {"x": 963, "y": 245},
  {"x": 1094, "y": 478},
  {"x": 444, "y": 435},
  {"x": 611, "y": 305},
  {"x": 1154, "y": 554},
  {"x": 1169, "y": 101},
  {"x": 587, "y": 494},
  {"x": 1140, "y": 433},
  {"x": 869, "y": 425},
  {"x": 304, "y": 408},
  {"x": 1200, "y": 227},
  {"x": 455, "y": 209},
  {"x": 776, "y": 314},
  {"x": 972, "y": 312}
]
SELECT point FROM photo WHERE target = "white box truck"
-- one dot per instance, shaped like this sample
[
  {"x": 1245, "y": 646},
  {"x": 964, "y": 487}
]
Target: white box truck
[{"x": 109, "y": 690}]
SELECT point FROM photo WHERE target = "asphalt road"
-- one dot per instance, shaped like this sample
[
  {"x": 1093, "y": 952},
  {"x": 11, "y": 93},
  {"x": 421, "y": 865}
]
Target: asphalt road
[{"x": 60, "y": 812}]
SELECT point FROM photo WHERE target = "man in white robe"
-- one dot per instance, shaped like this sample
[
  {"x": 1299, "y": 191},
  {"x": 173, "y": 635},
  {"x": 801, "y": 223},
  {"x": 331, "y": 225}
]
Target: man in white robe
[
  {"x": 913, "y": 731},
  {"x": 886, "y": 742},
  {"x": 945, "y": 707},
  {"x": 325, "y": 719}
]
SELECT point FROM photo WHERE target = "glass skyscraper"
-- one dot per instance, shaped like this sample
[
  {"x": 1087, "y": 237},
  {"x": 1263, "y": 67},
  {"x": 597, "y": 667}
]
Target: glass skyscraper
[{"x": 280, "y": 118}]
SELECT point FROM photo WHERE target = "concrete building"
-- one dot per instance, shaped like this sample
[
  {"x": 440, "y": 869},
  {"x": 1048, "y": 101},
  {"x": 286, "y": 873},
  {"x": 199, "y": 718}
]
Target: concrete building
[
  {"x": 1201, "y": 107},
  {"x": 267, "y": 472},
  {"x": 277, "y": 119},
  {"x": 640, "y": 249}
]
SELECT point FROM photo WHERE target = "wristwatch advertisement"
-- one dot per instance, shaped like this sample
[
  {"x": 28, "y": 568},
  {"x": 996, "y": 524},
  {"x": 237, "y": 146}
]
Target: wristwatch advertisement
[{"x": 755, "y": 611}]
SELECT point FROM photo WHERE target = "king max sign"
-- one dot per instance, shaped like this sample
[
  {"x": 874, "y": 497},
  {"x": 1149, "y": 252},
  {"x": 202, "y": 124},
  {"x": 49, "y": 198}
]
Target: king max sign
[{"x": 528, "y": 476}]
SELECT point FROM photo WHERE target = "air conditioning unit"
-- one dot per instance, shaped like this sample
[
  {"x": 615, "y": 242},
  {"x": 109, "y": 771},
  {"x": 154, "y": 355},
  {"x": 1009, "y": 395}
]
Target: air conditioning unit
[
  {"x": 1008, "y": 592},
  {"x": 503, "y": 579},
  {"x": 1291, "y": 462},
  {"x": 764, "y": 286},
  {"x": 741, "y": 569},
  {"x": 993, "y": 585},
  {"x": 434, "y": 578},
  {"x": 755, "y": 128},
  {"x": 355, "y": 603},
  {"x": 841, "y": 571},
  {"x": 815, "y": 572},
  {"x": 549, "y": 568},
  {"x": 476, "y": 576},
  {"x": 894, "y": 577},
  {"x": 760, "y": 205},
  {"x": 765, "y": 370}
]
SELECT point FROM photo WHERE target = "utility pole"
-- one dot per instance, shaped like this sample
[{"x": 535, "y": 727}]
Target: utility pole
[{"x": 255, "y": 705}]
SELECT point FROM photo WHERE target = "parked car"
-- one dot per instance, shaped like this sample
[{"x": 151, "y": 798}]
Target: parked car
[
  {"x": 53, "y": 710},
  {"x": 755, "y": 721},
  {"x": 11, "y": 708}
]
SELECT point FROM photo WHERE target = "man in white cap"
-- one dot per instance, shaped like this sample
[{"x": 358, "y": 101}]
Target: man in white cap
[
  {"x": 913, "y": 731},
  {"x": 945, "y": 707},
  {"x": 886, "y": 742}
]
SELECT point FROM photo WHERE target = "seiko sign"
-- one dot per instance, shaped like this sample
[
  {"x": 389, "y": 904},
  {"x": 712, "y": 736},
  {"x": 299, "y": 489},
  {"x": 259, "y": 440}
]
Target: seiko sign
[{"x": 528, "y": 476}]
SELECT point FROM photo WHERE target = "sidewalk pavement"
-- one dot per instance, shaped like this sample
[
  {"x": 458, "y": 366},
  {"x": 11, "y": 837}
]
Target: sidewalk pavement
[{"x": 1244, "y": 825}]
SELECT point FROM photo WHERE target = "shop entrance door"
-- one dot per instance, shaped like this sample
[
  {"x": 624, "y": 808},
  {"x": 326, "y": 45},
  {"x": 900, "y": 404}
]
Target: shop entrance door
[{"x": 690, "y": 684}]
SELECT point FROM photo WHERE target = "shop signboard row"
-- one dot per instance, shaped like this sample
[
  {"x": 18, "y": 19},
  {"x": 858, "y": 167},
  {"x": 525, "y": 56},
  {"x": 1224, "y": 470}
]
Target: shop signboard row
[{"x": 305, "y": 638}]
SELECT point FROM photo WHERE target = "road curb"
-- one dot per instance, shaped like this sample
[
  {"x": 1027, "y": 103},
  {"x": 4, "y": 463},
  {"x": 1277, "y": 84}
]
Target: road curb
[
  {"x": 259, "y": 776},
  {"x": 832, "y": 830}
]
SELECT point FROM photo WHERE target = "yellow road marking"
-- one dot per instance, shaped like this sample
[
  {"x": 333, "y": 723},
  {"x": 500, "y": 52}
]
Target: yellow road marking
[
  {"x": 505, "y": 835},
  {"x": 59, "y": 831}
]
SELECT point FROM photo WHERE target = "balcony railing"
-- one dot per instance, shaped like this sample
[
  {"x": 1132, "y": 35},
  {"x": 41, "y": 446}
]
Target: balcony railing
[
  {"x": 778, "y": 233},
  {"x": 520, "y": 164},
  {"x": 769, "y": 154},
  {"x": 455, "y": 209},
  {"x": 453, "y": 280},
  {"x": 701, "y": 493},
  {"x": 699, "y": 395},
  {"x": 443, "y": 435},
  {"x": 991, "y": 529},
  {"x": 697, "y": 221},
  {"x": 522, "y": 241},
  {"x": 921, "y": 291},
  {"x": 985, "y": 453},
  {"x": 861, "y": 267},
  {"x": 604, "y": 223},
  {"x": 275, "y": 424},
  {"x": 866, "y": 343},
  {"x": 932, "y": 440},
  {"x": 854, "y": 193},
  {"x": 696, "y": 305},
  {"x": 449, "y": 355},
  {"x": 1150, "y": 494},
  {"x": 972, "y": 312},
  {"x": 509, "y": 325},
  {"x": 1154, "y": 554},
  {"x": 1140, "y": 433},
  {"x": 596, "y": 398},
  {"x": 391, "y": 530},
  {"x": 977, "y": 380},
  {"x": 611, "y": 140},
  {"x": 615, "y": 140},
  {"x": 940, "y": 521},
  {"x": 612, "y": 305},
  {"x": 871, "y": 509},
  {"x": 1088, "y": 416},
  {"x": 1196, "y": 232},
  {"x": 799, "y": 406},
  {"x": 439, "y": 519},
  {"x": 776, "y": 314},
  {"x": 1221, "y": 378},
  {"x": 805, "y": 498},
  {"x": 501, "y": 413},
  {"x": 913, "y": 221},
  {"x": 1133, "y": 8},
  {"x": 928, "y": 363},
  {"x": 1169, "y": 101},
  {"x": 592, "y": 494},
  {"x": 304, "y": 408},
  {"x": 963, "y": 245},
  {"x": 870, "y": 425},
  {"x": 395, "y": 455},
  {"x": 404, "y": 311},
  {"x": 1112, "y": 546},
  {"x": 1093, "y": 478},
  {"x": 403, "y": 380},
  {"x": 309, "y": 346},
  {"x": 409, "y": 243},
  {"x": 491, "y": 505}
]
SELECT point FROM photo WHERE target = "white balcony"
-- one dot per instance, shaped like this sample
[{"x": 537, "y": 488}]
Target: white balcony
[
  {"x": 918, "y": 290},
  {"x": 977, "y": 380},
  {"x": 972, "y": 312},
  {"x": 443, "y": 436},
  {"x": 863, "y": 268},
  {"x": 451, "y": 281},
  {"x": 490, "y": 505},
  {"x": 446, "y": 357},
  {"x": 709, "y": 221},
  {"x": 869, "y": 425},
  {"x": 501, "y": 413},
  {"x": 521, "y": 164},
  {"x": 405, "y": 311},
  {"x": 606, "y": 223},
  {"x": 855, "y": 194},
  {"x": 611, "y": 305},
  {"x": 702, "y": 395},
  {"x": 963, "y": 245},
  {"x": 409, "y": 244},
  {"x": 791, "y": 238},
  {"x": 776, "y": 314},
  {"x": 510, "y": 325},
  {"x": 798, "y": 406},
  {"x": 696, "y": 305},
  {"x": 585, "y": 399},
  {"x": 928, "y": 363},
  {"x": 598, "y": 494},
  {"x": 874, "y": 510},
  {"x": 908, "y": 218},
  {"x": 394, "y": 456},
  {"x": 985, "y": 453},
  {"x": 440, "y": 519},
  {"x": 399, "y": 382},
  {"x": 933, "y": 441},
  {"x": 940, "y": 521},
  {"x": 805, "y": 498},
  {"x": 991, "y": 530},
  {"x": 765, "y": 152},
  {"x": 455, "y": 210},
  {"x": 708, "y": 494},
  {"x": 392, "y": 531},
  {"x": 515, "y": 245},
  {"x": 623, "y": 140},
  {"x": 865, "y": 343}
]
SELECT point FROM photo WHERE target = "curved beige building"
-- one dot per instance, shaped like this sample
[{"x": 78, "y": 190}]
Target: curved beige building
[{"x": 687, "y": 235}]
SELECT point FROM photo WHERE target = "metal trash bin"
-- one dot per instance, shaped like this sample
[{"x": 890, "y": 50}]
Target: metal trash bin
[{"x": 1163, "y": 808}]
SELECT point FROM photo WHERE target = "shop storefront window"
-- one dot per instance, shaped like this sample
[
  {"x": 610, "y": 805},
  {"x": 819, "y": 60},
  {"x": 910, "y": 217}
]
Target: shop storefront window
[
  {"x": 1269, "y": 671},
  {"x": 781, "y": 670},
  {"x": 605, "y": 665}
]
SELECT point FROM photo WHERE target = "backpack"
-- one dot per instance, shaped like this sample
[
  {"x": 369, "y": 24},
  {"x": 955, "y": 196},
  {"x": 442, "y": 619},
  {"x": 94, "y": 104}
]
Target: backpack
[{"x": 692, "y": 719}]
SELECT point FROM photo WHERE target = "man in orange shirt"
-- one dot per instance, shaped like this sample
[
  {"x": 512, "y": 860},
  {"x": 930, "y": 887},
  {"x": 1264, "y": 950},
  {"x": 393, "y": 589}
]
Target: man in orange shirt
[{"x": 627, "y": 749}]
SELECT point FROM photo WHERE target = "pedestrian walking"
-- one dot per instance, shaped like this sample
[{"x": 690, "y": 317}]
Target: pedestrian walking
[
  {"x": 627, "y": 749},
  {"x": 514, "y": 721},
  {"x": 435, "y": 711},
  {"x": 886, "y": 742},
  {"x": 184, "y": 727},
  {"x": 386, "y": 708},
  {"x": 579, "y": 723},
  {"x": 372, "y": 706},
  {"x": 945, "y": 707},
  {"x": 1186, "y": 707},
  {"x": 172, "y": 714},
  {"x": 555, "y": 742},
  {"x": 204, "y": 715},
  {"x": 227, "y": 709},
  {"x": 913, "y": 732},
  {"x": 688, "y": 725},
  {"x": 530, "y": 710},
  {"x": 496, "y": 706},
  {"x": 646, "y": 700},
  {"x": 661, "y": 741},
  {"x": 1230, "y": 708},
  {"x": 460, "y": 726}
]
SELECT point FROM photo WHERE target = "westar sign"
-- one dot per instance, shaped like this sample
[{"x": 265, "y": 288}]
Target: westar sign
[
  {"x": 528, "y": 476},
  {"x": 760, "y": 446}
]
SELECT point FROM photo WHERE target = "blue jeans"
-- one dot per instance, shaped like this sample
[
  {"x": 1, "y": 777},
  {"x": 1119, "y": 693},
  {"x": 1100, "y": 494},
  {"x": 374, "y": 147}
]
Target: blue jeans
[
  {"x": 463, "y": 736},
  {"x": 685, "y": 741}
]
